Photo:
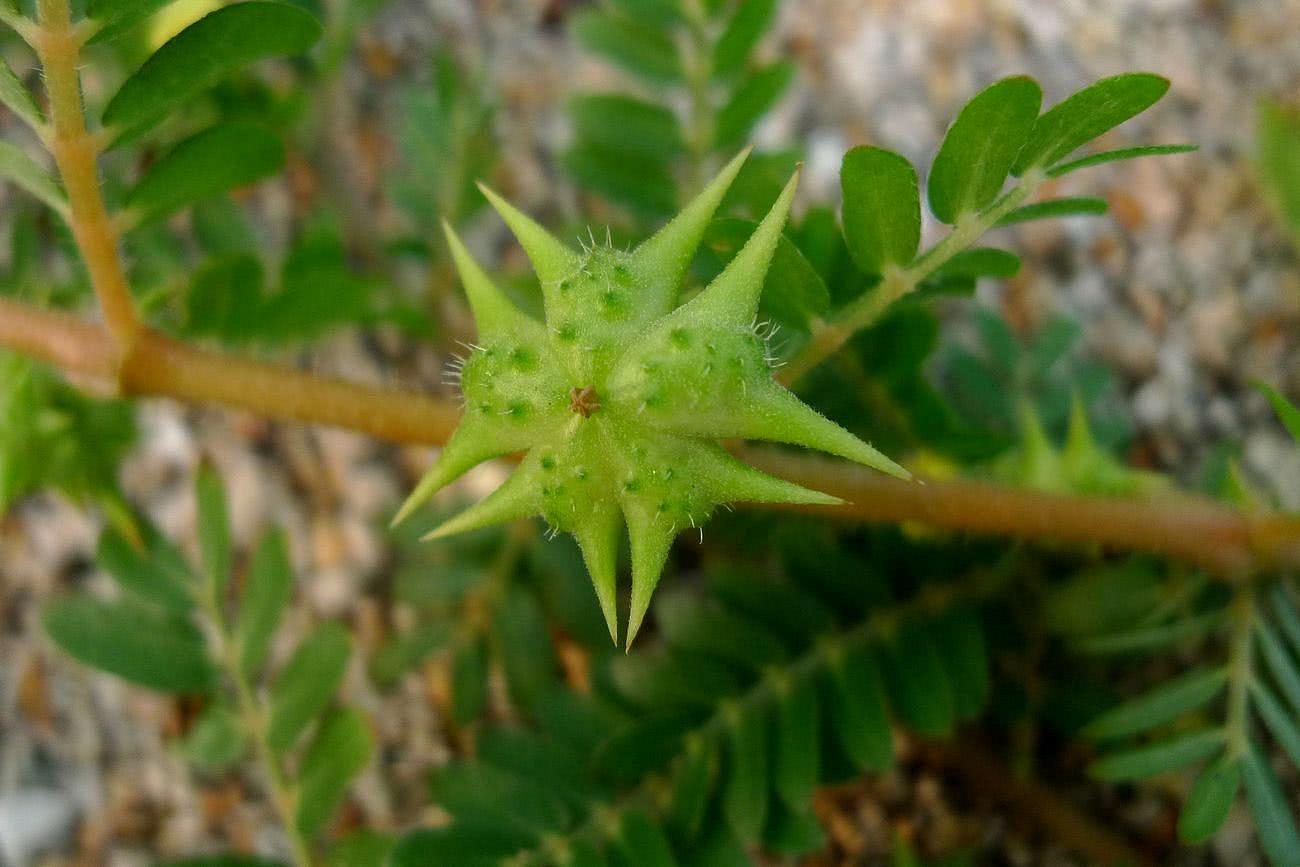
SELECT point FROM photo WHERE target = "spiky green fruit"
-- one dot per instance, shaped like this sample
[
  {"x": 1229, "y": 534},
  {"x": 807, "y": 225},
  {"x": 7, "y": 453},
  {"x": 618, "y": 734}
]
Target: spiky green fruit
[{"x": 619, "y": 399}]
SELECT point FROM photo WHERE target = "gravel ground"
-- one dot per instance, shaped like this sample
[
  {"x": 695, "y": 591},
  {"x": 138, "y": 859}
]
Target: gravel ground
[{"x": 1188, "y": 292}]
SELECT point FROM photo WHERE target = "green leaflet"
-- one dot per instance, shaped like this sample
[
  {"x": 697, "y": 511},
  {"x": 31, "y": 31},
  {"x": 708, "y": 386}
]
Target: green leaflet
[
  {"x": 626, "y": 125},
  {"x": 638, "y": 48},
  {"x": 797, "y": 760},
  {"x": 1274, "y": 819},
  {"x": 753, "y": 99},
  {"x": 981, "y": 262},
  {"x": 882, "y": 209},
  {"x": 744, "y": 795},
  {"x": 205, "y": 166},
  {"x": 19, "y": 168},
  {"x": 150, "y": 575},
  {"x": 204, "y": 53},
  {"x": 214, "y": 533},
  {"x": 1211, "y": 798},
  {"x": 118, "y": 16},
  {"x": 1277, "y": 133},
  {"x": 307, "y": 684},
  {"x": 981, "y": 146},
  {"x": 1286, "y": 411},
  {"x": 268, "y": 589},
  {"x": 134, "y": 642},
  {"x": 1087, "y": 114},
  {"x": 18, "y": 98},
  {"x": 338, "y": 752},
  {"x": 1073, "y": 207},
  {"x": 745, "y": 28},
  {"x": 1161, "y": 705},
  {"x": 1116, "y": 155},
  {"x": 1158, "y": 758}
]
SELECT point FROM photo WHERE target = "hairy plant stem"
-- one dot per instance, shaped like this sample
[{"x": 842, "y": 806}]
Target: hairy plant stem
[
  {"x": 253, "y": 720},
  {"x": 58, "y": 43},
  {"x": 1228, "y": 543},
  {"x": 829, "y": 337},
  {"x": 1242, "y": 616}
]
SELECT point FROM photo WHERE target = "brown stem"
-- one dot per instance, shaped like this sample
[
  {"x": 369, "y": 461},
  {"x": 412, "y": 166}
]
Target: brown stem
[
  {"x": 75, "y": 346},
  {"x": 157, "y": 365},
  {"x": 1221, "y": 540},
  {"x": 1185, "y": 528}
]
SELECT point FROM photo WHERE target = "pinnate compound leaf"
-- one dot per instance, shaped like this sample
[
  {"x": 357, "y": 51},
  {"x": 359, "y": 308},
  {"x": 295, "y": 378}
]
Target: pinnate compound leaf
[
  {"x": 752, "y": 99},
  {"x": 25, "y": 173},
  {"x": 307, "y": 684},
  {"x": 1159, "y": 706},
  {"x": 18, "y": 98},
  {"x": 1211, "y": 798},
  {"x": 269, "y": 586},
  {"x": 149, "y": 575},
  {"x": 205, "y": 166},
  {"x": 1088, "y": 114},
  {"x": 1117, "y": 155},
  {"x": 640, "y": 49},
  {"x": 744, "y": 795},
  {"x": 1158, "y": 758},
  {"x": 746, "y": 27},
  {"x": 981, "y": 146},
  {"x": 1081, "y": 206},
  {"x": 204, "y": 53},
  {"x": 1274, "y": 820},
  {"x": 1285, "y": 410},
  {"x": 338, "y": 752},
  {"x": 882, "y": 208},
  {"x": 134, "y": 642}
]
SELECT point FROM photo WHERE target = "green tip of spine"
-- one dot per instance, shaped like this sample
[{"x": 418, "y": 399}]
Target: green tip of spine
[
  {"x": 662, "y": 260},
  {"x": 494, "y": 313},
  {"x": 552, "y": 259},
  {"x": 733, "y": 295}
]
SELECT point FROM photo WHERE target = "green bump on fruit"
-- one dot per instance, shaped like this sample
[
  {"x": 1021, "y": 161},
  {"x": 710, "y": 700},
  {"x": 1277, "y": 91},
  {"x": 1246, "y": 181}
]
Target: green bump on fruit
[{"x": 620, "y": 398}]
